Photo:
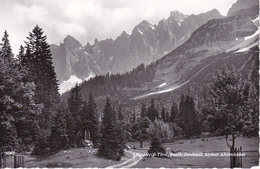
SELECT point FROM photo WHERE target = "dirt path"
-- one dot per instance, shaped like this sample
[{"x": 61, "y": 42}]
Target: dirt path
[{"x": 128, "y": 163}]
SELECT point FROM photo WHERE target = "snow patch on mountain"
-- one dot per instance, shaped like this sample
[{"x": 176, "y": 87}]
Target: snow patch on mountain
[
  {"x": 245, "y": 49},
  {"x": 91, "y": 74},
  {"x": 68, "y": 84},
  {"x": 152, "y": 27},
  {"x": 256, "y": 19},
  {"x": 180, "y": 21},
  {"x": 251, "y": 36},
  {"x": 72, "y": 81},
  {"x": 174, "y": 87},
  {"x": 247, "y": 43},
  {"x": 140, "y": 32},
  {"x": 159, "y": 92},
  {"x": 163, "y": 84}
]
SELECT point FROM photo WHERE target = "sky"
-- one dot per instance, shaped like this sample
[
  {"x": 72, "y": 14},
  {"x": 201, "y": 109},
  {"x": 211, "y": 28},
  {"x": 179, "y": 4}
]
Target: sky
[{"x": 87, "y": 20}]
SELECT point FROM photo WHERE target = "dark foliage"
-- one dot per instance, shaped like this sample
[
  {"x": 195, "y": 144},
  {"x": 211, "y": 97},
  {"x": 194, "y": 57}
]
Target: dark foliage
[
  {"x": 190, "y": 123},
  {"x": 174, "y": 112},
  {"x": 92, "y": 122},
  {"x": 38, "y": 58},
  {"x": 112, "y": 140},
  {"x": 156, "y": 147},
  {"x": 74, "y": 118},
  {"x": 58, "y": 138},
  {"x": 152, "y": 111},
  {"x": 102, "y": 85}
]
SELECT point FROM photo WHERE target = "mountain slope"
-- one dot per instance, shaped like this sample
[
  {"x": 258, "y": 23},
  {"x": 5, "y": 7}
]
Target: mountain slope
[
  {"x": 244, "y": 7},
  {"x": 217, "y": 38},
  {"x": 189, "y": 68},
  {"x": 147, "y": 43}
]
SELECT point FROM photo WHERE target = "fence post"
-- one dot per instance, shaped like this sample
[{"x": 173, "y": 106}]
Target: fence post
[
  {"x": 4, "y": 160},
  {"x": 18, "y": 161},
  {"x": 23, "y": 161},
  {"x": 15, "y": 161},
  {"x": 241, "y": 156},
  {"x": 1, "y": 159},
  {"x": 231, "y": 157},
  {"x": 235, "y": 157}
]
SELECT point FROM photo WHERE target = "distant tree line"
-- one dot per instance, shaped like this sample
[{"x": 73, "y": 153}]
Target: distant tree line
[{"x": 102, "y": 85}]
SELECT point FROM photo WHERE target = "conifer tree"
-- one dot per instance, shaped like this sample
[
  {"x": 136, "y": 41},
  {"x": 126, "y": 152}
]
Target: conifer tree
[
  {"x": 8, "y": 135},
  {"x": 70, "y": 127},
  {"x": 174, "y": 112},
  {"x": 163, "y": 114},
  {"x": 167, "y": 117},
  {"x": 17, "y": 99},
  {"x": 6, "y": 50},
  {"x": 58, "y": 139},
  {"x": 152, "y": 111},
  {"x": 133, "y": 118},
  {"x": 41, "y": 143},
  {"x": 120, "y": 114},
  {"x": 84, "y": 117},
  {"x": 92, "y": 120},
  {"x": 39, "y": 59},
  {"x": 74, "y": 120},
  {"x": 190, "y": 122},
  {"x": 112, "y": 143},
  {"x": 182, "y": 107},
  {"x": 27, "y": 117},
  {"x": 143, "y": 111}
]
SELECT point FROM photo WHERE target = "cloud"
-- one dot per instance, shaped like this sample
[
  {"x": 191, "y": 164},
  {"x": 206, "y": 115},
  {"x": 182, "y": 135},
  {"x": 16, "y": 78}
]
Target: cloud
[{"x": 87, "y": 20}]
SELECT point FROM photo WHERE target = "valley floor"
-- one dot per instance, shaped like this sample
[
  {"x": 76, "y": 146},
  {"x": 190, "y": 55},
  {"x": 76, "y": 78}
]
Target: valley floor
[
  {"x": 211, "y": 145},
  {"x": 84, "y": 158},
  {"x": 72, "y": 158}
]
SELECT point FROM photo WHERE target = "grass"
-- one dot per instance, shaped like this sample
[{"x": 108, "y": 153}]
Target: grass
[
  {"x": 83, "y": 158},
  {"x": 72, "y": 158},
  {"x": 216, "y": 145}
]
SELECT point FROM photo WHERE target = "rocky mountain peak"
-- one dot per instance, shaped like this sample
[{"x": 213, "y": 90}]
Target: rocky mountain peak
[
  {"x": 144, "y": 25},
  {"x": 142, "y": 28},
  {"x": 145, "y": 44},
  {"x": 214, "y": 13},
  {"x": 124, "y": 34},
  {"x": 96, "y": 41},
  {"x": 176, "y": 16},
  {"x": 71, "y": 42},
  {"x": 221, "y": 30},
  {"x": 241, "y": 5}
]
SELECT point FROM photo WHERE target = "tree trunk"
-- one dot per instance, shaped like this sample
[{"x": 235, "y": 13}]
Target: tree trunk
[{"x": 141, "y": 144}]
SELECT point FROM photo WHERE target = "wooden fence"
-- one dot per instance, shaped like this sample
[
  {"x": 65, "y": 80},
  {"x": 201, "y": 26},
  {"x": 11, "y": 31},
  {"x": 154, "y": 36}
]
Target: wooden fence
[
  {"x": 18, "y": 159},
  {"x": 236, "y": 157},
  {"x": 2, "y": 158}
]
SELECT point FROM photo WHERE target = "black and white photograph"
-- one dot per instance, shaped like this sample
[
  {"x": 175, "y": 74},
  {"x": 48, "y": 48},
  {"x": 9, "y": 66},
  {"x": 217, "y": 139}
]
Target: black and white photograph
[{"x": 129, "y": 83}]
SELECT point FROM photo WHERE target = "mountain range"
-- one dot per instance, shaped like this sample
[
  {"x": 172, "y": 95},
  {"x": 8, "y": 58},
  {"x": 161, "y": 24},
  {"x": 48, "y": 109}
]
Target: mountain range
[
  {"x": 188, "y": 69},
  {"x": 146, "y": 44}
]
